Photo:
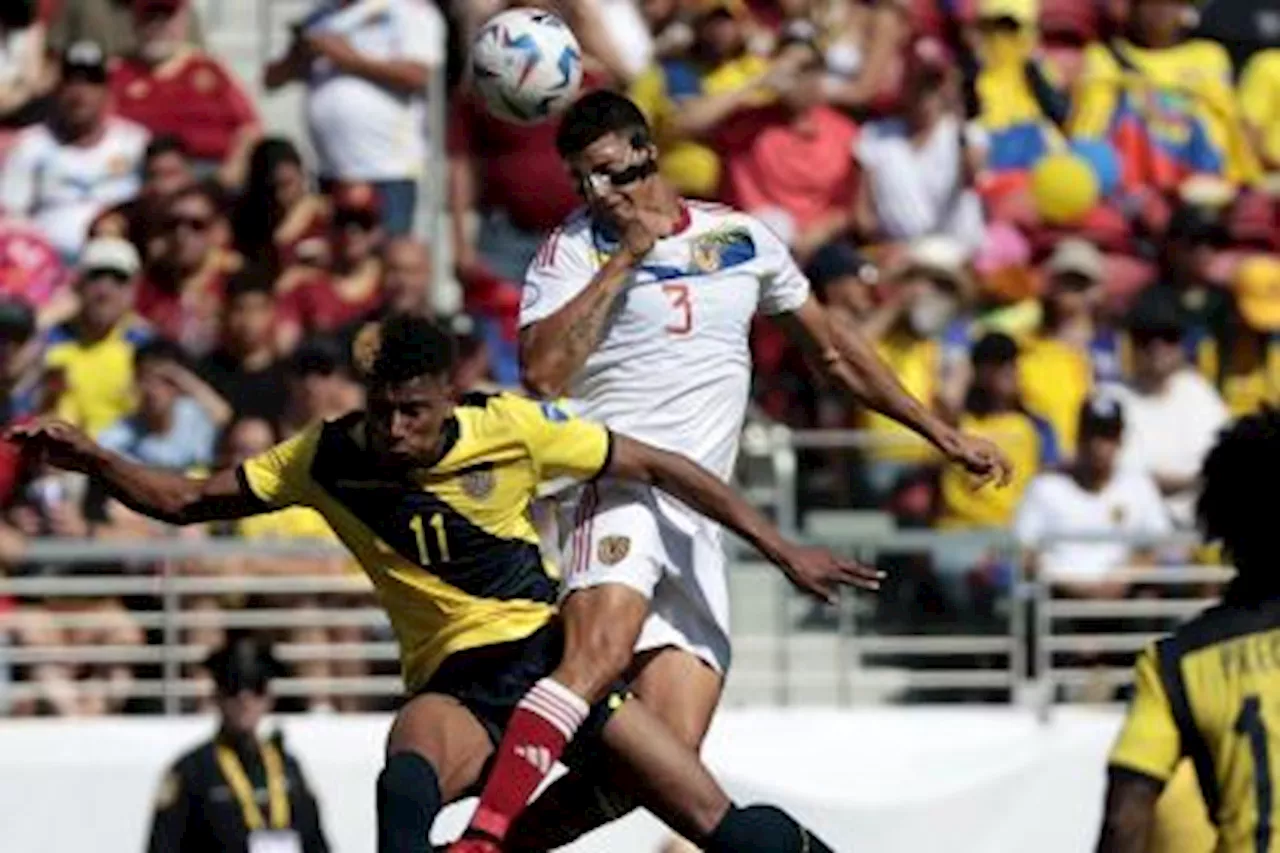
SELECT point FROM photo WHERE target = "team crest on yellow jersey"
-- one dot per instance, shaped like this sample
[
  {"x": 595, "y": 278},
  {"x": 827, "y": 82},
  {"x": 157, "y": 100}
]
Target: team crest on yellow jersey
[
  {"x": 613, "y": 550},
  {"x": 478, "y": 485}
]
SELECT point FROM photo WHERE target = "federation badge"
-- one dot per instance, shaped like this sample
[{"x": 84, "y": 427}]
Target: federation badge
[
  {"x": 613, "y": 550},
  {"x": 706, "y": 254},
  {"x": 478, "y": 485}
]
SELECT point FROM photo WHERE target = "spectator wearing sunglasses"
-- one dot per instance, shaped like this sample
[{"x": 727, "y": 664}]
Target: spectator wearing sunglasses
[
  {"x": 65, "y": 171},
  {"x": 1173, "y": 414},
  {"x": 181, "y": 293},
  {"x": 88, "y": 361},
  {"x": 315, "y": 301}
]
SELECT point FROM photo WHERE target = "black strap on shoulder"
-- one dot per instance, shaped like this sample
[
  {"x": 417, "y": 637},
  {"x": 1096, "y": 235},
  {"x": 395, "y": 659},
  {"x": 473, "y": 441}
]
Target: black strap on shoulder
[{"x": 1194, "y": 746}]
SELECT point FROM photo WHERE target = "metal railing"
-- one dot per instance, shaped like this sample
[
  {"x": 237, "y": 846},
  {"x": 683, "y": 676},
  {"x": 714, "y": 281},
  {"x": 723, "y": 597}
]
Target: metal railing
[{"x": 1037, "y": 645}]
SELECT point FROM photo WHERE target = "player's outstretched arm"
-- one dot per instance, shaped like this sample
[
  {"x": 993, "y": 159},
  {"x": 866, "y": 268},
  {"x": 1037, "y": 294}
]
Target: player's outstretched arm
[
  {"x": 814, "y": 570},
  {"x": 163, "y": 495},
  {"x": 1129, "y": 812},
  {"x": 850, "y": 360}
]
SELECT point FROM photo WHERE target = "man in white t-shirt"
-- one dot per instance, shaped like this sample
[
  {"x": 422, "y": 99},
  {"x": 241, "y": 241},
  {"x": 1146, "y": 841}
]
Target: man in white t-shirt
[
  {"x": 61, "y": 174},
  {"x": 366, "y": 64},
  {"x": 1172, "y": 413},
  {"x": 1094, "y": 498},
  {"x": 639, "y": 309}
]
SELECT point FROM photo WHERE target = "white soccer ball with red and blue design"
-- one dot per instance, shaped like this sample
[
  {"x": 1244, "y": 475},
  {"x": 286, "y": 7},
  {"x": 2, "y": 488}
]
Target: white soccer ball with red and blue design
[{"x": 527, "y": 65}]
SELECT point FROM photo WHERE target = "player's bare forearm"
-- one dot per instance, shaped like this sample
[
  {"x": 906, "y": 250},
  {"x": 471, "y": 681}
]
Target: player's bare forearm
[
  {"x": 700, "y": 489},
  {"x": 850, "y": 360},
  {"x": 171, "y": 497},
  {"x": 1129, "y": 812},
  {"x": 553, "y": 350}
]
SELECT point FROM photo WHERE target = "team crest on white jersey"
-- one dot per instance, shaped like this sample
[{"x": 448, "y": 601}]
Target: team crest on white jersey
[
  {"x": 722, "y": 248},
  {"x": 613, "y": 550}
]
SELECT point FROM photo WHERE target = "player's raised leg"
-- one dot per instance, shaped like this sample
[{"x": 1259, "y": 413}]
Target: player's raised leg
[
  {"x": 601, "y": 626},
  {"x": 436, "y": 751},
  {"x": 679, "y": 689}
]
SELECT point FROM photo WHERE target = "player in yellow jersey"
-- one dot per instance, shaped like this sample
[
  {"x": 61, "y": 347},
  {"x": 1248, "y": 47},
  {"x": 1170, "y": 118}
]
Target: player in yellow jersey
[
  {"x": 433, "y": 499},
  {"x": 1211, "y": 691}
]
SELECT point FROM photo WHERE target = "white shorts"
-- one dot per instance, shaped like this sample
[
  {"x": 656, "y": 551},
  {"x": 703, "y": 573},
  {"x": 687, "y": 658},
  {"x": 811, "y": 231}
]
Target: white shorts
[{"x": 626, "y": 533}]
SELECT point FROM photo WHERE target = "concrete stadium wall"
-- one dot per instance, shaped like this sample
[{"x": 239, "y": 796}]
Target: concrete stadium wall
[{"x": 872, "y": 781}]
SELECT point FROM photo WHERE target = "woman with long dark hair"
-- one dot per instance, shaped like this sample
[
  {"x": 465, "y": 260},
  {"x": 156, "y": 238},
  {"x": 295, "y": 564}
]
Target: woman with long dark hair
[{"x": 281, "y": 221}]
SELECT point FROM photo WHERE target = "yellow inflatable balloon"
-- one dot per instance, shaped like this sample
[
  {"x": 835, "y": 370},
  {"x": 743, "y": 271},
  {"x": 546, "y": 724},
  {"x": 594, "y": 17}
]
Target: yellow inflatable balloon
[{"x": 1064, "y": 188}]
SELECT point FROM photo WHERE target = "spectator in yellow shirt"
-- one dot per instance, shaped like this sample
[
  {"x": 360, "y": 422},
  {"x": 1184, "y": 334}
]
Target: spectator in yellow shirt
[
  {"x": 993, "y": 409},
  {"x": 1243, "y": 360},
  {"x": 1260, "y": 103},
  {"x": 685, "y": 98},
  {"x": 88, "y": 361}
]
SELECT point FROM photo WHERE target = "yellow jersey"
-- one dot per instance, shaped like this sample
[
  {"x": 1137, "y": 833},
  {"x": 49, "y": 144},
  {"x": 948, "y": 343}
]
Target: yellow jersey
[
  {"x": 1211, "y": 693},
  {"x": 1030, "y": 445},
  {"x": 917, "y": 362},
  {"x": 452, "y": 550},
  {"x": 1260, "y": 98},
  {"x": 97, "y": 376}
]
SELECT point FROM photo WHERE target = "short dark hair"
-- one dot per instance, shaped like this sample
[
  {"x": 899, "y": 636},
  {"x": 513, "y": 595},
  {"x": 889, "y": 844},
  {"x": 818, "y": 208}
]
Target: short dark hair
[
  {"x": 1231, "y": 508},
  {"x": 159, "y": 349},
  {"x": 596, "y": 114},
  {"x": 994, "y": 348},
  {"x": 410, "y": 347},
  {"x": 165, "y": 144},
  {"x": 253, "y": 278}
]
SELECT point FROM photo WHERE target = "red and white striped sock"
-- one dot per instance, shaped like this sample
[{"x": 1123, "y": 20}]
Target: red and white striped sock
[{"x": 542, "y": 724}]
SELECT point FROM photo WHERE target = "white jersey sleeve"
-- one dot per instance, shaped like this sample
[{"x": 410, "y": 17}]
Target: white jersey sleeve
[
  {"x": 562, "y": 269},
  {"x": 783, "y": 287},
  {"x": 20, "y": 173}
]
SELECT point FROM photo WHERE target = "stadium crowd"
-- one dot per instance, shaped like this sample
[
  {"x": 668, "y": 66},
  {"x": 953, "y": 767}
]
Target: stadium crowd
[{"x": 1058, "y": 221}]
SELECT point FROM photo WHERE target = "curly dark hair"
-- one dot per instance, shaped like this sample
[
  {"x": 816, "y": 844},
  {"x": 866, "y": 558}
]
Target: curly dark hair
[
  {"x": 1230, "y": 509},
  {"x": 405, "y": 347}
]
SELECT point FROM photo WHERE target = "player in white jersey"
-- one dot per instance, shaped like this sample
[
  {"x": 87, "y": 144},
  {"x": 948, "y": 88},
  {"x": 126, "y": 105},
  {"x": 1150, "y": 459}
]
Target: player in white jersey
[{"x": 638, "y": 311}]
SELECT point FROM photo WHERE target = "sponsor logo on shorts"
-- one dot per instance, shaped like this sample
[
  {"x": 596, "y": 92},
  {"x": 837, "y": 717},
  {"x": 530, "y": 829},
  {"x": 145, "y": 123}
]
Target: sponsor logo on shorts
[
  {"x": 613, "y": 550},
  {"x": 538, "y": 756},
  {"x": 478, "y": 485}
]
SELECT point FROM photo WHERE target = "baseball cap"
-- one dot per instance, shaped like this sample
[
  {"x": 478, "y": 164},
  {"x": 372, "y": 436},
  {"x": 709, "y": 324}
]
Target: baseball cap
[
  {"x": 110, "y": 254},
  {"x": 244, "y": 663},
  {"x": 1074, "y": 256},
  {"x": 1257, "y": 288},
  {"x": 1157, "y": 313},
  {"x": 85, "y": 59},
  {"x": 1102, "y": 415}
]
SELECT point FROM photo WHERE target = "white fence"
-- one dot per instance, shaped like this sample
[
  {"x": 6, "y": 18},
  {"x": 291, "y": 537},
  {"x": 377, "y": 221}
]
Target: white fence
[{"x": 872, "y": 781}]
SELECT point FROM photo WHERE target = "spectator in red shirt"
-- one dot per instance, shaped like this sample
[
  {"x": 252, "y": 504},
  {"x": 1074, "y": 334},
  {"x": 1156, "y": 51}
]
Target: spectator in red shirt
[
  {"x": 166, "y": 170},
  {"x": 171, "y": 87},
  {"x": 17, "y": 326},
  {"x": 181, "y": 291},
  {"x": 280, "y": 221},
  {"x": 318, "y": 302}
]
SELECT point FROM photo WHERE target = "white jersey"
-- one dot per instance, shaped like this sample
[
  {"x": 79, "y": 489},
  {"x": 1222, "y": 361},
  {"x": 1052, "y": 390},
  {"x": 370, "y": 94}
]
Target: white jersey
[{"x": 673, "y": 367}]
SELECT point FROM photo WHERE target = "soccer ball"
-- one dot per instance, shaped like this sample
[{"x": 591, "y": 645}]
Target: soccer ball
[{"x": 526, "y": 64}]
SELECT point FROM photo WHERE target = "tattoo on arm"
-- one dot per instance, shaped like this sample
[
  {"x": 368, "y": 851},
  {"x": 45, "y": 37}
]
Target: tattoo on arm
[{"x": 1129, "y": 812}]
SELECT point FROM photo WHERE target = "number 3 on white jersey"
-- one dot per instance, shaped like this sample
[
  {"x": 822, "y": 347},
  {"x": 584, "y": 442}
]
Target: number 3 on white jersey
[{"x": 679, "y": 296}]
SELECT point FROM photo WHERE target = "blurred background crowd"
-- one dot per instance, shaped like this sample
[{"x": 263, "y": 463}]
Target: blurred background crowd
[{"x": 1059, "y": 221}]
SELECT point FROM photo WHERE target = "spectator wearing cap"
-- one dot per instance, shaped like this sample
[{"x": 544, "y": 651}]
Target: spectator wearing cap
[
  {"x": 1094, "y": 497},
  {"x": 178, "y": 415},
  {"x": 24, "y": 74},
  {"x": 686, "y": 99},
  {"x": 63, "y": 172},
  {"x": 1260, "y": 104},
  {"x": 1072, "y": 351},
  {"x": 1172, "y": 413},
  {"x": 110, "y": 23},
  {"x": 280, "y": 220},
  {"x": 993, "y": 408},
  {"x": 1194, "y": 236},
  {"x": 366, "y": 67},
  {"x": 920, "y": 317},
  {"x": 918, "y": 166},
  {"x": 266, "y": 803},
  {"x": 175, "y": 89},
  {"x": 166, "y": 171},
  {"x": 1164, "y": 101},
  {"x": 181, "y": 293},
  {"x": 791, "y": 163},
  {"x": 1243, "y": 360},
  {"x": 316, "y": 301},
  {"x": 245, "y": 369},
  {"x": 88, "y": 361}
]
